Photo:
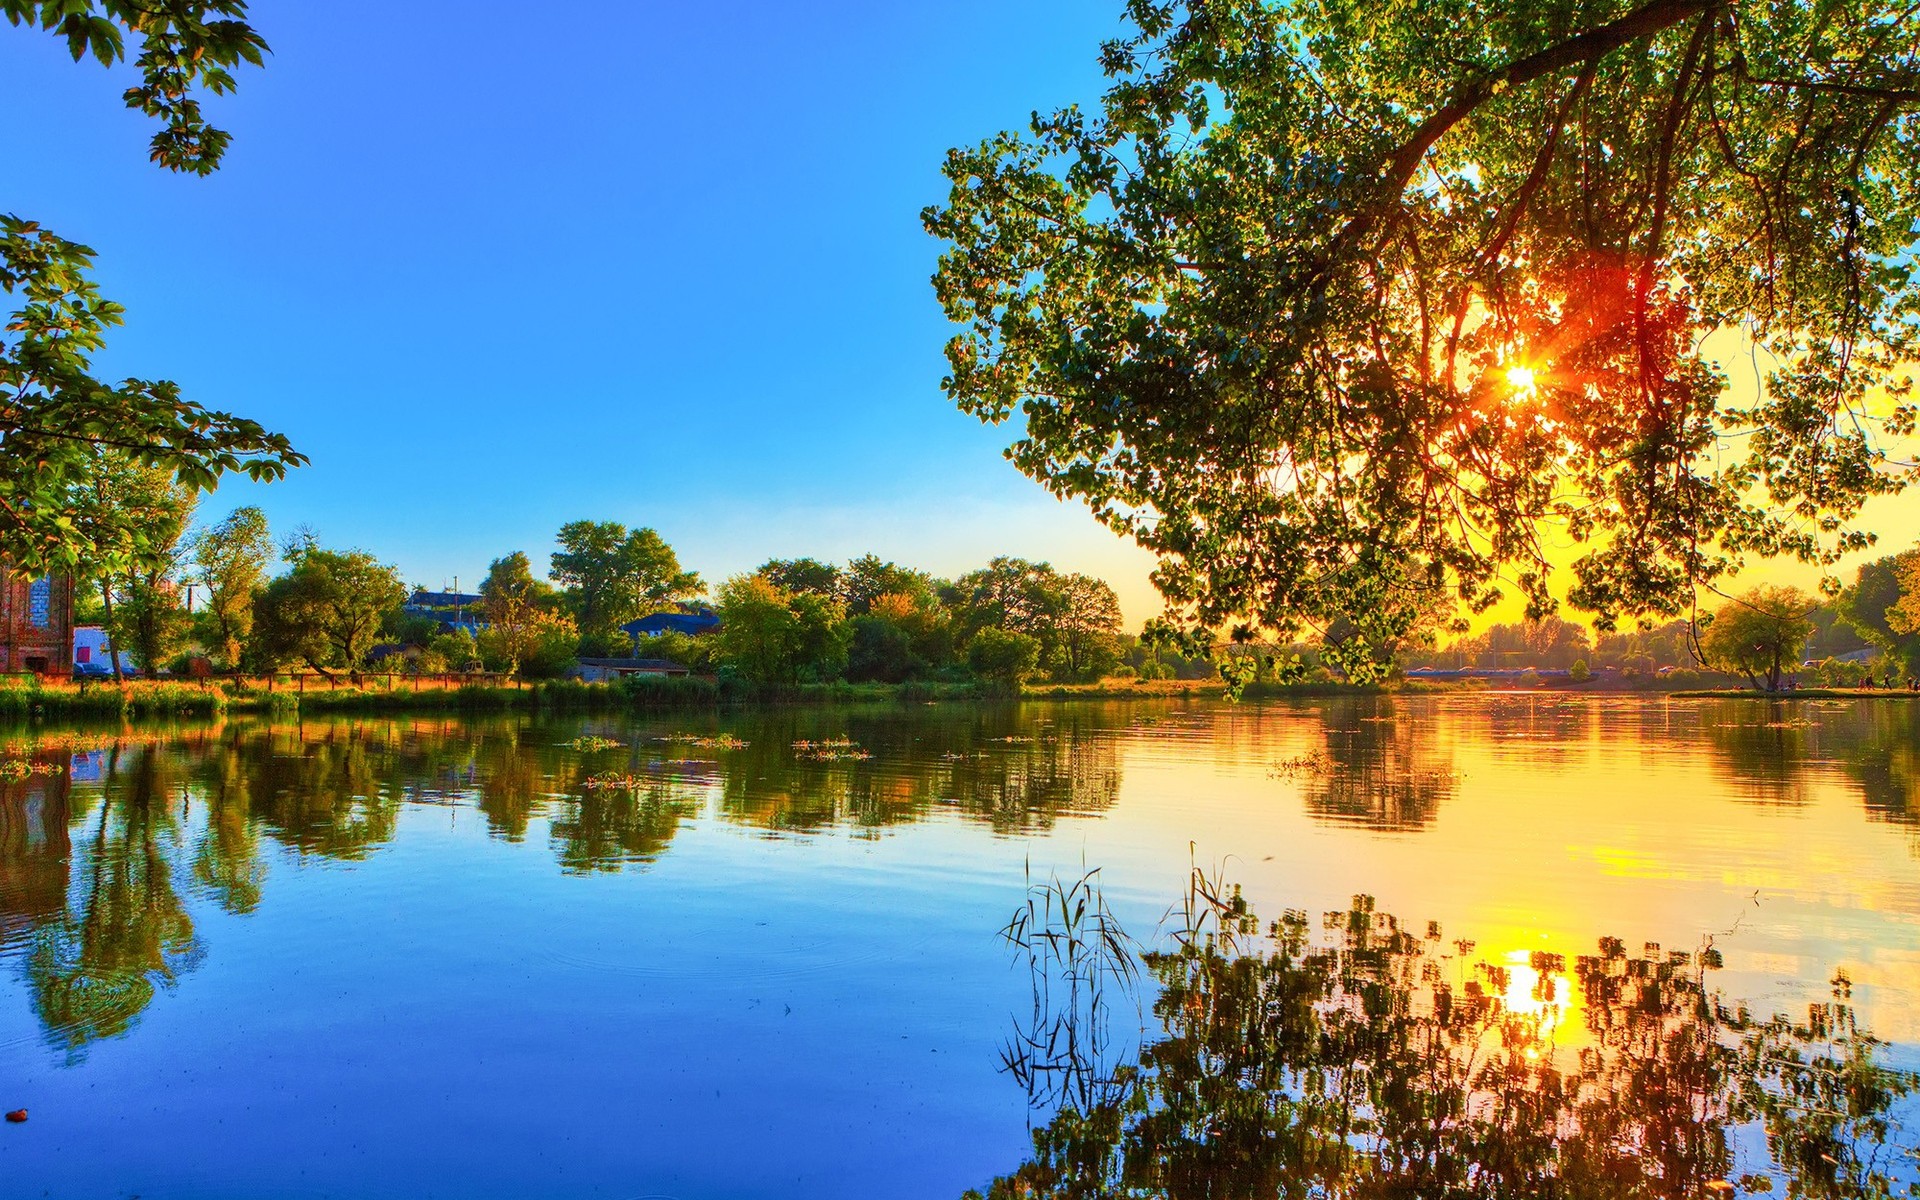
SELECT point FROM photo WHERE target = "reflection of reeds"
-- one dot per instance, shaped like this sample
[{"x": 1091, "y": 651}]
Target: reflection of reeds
[
  {"x": 1365, "y": 1060},
  {"x": 1074, "y": 949},
  {"x": 1315, "y": 763}
]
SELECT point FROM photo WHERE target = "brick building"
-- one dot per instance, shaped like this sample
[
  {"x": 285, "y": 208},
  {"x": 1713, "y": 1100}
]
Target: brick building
[{"x": 36, "y": 622}]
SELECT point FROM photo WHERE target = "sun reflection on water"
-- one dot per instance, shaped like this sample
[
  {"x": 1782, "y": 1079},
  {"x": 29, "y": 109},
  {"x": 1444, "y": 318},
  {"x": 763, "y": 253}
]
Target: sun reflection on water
[{"x": 1534, "y": 988}]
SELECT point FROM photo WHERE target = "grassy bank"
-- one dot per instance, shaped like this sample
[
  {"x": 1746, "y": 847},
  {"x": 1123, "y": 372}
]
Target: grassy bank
[
  {"x": 23, "y": 700},
  {"x": 40, "y": 700}
]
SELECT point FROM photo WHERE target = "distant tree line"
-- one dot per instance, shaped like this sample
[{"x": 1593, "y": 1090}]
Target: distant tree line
[
  {"x": 267, "y": 606},
  {"x": 1867, "y": 631},
  {"x": 790, "y": 622}
]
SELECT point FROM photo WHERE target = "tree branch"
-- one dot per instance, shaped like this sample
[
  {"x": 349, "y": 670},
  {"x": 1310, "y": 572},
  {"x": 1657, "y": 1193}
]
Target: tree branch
[
  {"x": 1585, "y": 47},
  {"x": 1893, "y": 95}
]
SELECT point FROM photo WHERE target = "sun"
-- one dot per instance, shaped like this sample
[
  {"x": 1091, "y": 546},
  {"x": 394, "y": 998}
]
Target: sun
[{"x": 1520, "y": 379}]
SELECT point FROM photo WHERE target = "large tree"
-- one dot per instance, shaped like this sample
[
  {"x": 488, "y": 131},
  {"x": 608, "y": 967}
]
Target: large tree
[
  {"x": 54, "y": 413},
  {"x": 613, "y": 575},
  {"x": 231, "y": 557},
  {"x": 772, "y": 635},
  {"x": 326, "y": 611},
  {"x": 1338, "y": 305},
  {"x": 1879, "y": 591},
  {"x": 1760, "y": 634},
  {"x": 124, "y": 519},
  {"x": 521, "y": 617},
  {"x": 1074, "y": 618}
]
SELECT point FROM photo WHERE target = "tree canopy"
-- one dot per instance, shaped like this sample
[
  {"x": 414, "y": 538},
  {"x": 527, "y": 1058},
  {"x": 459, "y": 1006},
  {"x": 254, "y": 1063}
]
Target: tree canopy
[
  {"x": 1760, "y": 634},
  {"x": 54, "y": 413},
  {"x": 326, "y": 611},
  {"x": 613, "y": 575},
  {"x": 231, "y": 557},
  {"x": 1870, "y": 604},
  {"x": 1337, "y": 306}
]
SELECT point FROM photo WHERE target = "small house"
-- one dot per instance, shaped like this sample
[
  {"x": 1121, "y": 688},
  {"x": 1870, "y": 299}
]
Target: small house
[
  {"x": 600, "y": 670},
  {"x": 90, "y": 646}
]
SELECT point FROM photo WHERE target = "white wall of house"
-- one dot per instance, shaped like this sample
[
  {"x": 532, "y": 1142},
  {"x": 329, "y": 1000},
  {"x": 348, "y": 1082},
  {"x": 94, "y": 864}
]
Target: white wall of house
[{"x": 90, "y": 646}]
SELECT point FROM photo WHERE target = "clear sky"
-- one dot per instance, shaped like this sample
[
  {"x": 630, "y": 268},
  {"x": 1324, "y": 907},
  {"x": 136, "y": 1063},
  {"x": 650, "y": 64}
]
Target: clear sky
[{"x": 496, "y": 267}]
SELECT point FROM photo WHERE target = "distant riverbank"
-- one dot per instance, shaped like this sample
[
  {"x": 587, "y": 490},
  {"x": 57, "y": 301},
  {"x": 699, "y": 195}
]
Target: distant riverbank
[
  {"x": 142, "y": 699},
  {"x": 1798, "y": 694}
]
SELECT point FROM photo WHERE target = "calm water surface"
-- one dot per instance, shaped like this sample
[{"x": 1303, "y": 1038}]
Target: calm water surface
[{"x": 421, "y": 957}]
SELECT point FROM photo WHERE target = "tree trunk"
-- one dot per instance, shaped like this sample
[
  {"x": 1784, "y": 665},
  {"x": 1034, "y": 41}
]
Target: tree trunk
[{"x": 113, "y": 648}]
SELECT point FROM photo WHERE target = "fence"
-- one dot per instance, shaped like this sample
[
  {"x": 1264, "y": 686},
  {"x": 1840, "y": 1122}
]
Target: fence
[{"x": 298, "y": 682}]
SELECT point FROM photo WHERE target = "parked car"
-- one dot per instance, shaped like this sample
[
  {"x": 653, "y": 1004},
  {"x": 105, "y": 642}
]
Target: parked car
[{"x": 101, "y": 670}]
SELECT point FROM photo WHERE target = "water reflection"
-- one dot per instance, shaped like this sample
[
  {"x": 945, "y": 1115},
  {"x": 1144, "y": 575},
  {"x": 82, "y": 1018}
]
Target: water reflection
[
  {"x": 1367, "y": 1059},
  {"x": 108, "y": 842},
  {"x": 609, "y": 828},
  {"x": 124, "y": 930},
  {"x": 1778, "y": 751},
  {"x": 104, "y": 838},
  {"x": 1381, "y": 768}
]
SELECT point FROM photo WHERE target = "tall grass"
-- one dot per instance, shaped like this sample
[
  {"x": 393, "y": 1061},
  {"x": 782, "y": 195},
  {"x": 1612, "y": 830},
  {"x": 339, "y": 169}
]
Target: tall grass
[{"x": 32, "y": 700}]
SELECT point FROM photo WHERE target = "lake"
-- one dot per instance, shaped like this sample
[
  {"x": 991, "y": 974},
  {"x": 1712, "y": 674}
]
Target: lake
[{"x": 426, "y": 956}]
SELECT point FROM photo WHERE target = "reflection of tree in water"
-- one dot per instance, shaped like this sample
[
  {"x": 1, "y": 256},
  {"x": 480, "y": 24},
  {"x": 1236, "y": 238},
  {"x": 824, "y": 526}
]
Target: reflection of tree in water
[
  {"x": 1881, "y": 752},
  {"x": 1371, "y": 1062},
  {"x": 228, "y": 861},
  {"x": 1767, "y": 746},
  {"x": 335, "y": 795},
  {"x": 1019, "y": 782},
  {"x": 125, "y": 931},
  {"x": 34, "y": 848},
  {"x": 1015, "y": 767},
  {"x": 1380, "y": 768},
  {"x": 1779, "y": 749},
  {"x": 512, "y": 784},
  {"x": 606, "y": 829}
]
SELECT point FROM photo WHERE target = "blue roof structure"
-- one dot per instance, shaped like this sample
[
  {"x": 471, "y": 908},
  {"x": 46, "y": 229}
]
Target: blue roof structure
[
  {"x": 423, "y": 599},
  {"x": 692, "y": 622}
]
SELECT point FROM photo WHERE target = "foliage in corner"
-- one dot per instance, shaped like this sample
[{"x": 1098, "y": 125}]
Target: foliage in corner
[
  {"x": 1343, "y": 307},
  {"x": 55, "y": 416}
]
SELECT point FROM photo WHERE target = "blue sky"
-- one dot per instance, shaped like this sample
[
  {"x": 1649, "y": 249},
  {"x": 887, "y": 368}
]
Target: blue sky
[{"x": 654, "y": 263}]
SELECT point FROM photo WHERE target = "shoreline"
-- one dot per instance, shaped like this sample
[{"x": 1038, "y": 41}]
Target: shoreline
[{"x": 162, "y": 699}]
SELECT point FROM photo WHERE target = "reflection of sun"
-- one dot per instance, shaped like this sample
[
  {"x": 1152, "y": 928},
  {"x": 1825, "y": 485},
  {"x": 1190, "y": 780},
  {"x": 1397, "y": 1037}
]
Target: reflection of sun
[{"x": 1543, "y": 1000}]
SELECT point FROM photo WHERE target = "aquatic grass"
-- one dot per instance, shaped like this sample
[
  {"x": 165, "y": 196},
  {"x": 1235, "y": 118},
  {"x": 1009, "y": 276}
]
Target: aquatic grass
[
  {"x": 37, "y": 701},
  {"x": 616, "y": 781},
  {"x": 587, "y": 743},
  {"x": 1301, "y": 765},
  {"x": 838, "y": 749},
  {"x": 722, "y": 741},
  {"x": 1074, "y": 950},
  {"x": 16, "y": 770}
]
